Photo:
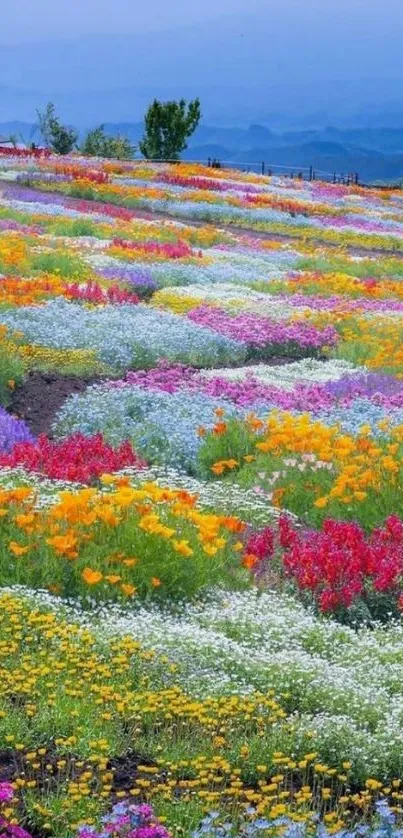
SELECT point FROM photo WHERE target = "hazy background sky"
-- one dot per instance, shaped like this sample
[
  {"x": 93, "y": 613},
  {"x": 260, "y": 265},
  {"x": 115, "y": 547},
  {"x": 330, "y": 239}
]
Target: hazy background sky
[
  {"x": 25, "y": 20},
  {"x": 248, "y": 60}
]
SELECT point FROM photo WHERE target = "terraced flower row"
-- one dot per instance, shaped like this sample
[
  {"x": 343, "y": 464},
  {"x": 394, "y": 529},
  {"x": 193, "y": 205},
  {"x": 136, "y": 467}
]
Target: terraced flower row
[{"x": 201, "y": 444}]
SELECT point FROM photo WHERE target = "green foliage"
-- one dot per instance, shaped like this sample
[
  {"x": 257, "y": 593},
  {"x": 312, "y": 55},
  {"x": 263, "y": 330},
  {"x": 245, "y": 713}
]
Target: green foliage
[
  {"x": 60, "y": 262},
  {"x": 99, "y": 144},
  {"x": 236, "y": 443},
  {"x": 58, "y": 137},
  {"x": 11, "y": 370},
  {"x": 167, "y": 127}
]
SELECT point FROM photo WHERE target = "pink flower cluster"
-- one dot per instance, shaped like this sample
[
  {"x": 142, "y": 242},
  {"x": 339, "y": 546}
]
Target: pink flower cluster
[
  {"x": 254, "y": 330},
  {"x": 128, "y": 821},
  {"x": 246, "y": 392},
  {"x": 251, "y": 391},
  {"x": 166, "y": 377},
  {"x": 208, "y": 183},
  {"x": 169, "y": 250}
]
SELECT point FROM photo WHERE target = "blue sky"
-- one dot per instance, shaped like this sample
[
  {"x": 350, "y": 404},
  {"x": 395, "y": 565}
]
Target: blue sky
[
  {"x": 243, "y": 57},
  {"x": 23, "y": 20}
]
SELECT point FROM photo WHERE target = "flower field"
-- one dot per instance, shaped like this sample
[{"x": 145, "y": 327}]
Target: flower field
[{"x": 201, "y": 473}]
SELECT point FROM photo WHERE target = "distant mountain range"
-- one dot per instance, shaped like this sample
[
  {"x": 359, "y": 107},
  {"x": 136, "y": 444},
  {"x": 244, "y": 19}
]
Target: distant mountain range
[{"x": 376, "y": 154}]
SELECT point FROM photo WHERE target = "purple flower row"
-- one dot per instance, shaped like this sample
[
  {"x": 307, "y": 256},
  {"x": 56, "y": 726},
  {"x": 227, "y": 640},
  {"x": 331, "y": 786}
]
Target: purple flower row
[
  {"x": 320, "y": 303},
  {"x": 256, "y": 331},
  {"x": 381, "y": 390}
]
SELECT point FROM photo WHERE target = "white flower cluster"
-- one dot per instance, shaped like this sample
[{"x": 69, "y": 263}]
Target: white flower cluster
[
  {"x": 286, "y": 376},
  {"x": 122, "y": 336},
  {"x": 342, "y": 688}
]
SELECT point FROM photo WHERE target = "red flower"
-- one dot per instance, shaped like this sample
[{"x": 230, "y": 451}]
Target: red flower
[{"x": 77, "y": 458}]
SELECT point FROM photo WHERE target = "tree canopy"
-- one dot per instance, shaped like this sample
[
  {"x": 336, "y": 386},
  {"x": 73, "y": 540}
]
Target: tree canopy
[
  {"x": 60, "y": 138},
  {"x": 167, "y": 127}
]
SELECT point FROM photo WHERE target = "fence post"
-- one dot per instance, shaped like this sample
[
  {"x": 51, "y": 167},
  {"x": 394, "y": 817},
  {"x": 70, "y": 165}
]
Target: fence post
[
  {"x": 262, "y": 167},
  {"x": 311, "y": 173},
  {"x": 209, "y": 162}
]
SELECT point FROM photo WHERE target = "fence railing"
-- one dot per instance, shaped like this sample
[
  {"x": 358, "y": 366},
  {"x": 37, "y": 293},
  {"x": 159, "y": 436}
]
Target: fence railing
[
  {"x": 263, "y": 168},
  {"x": 293, "y": 172},
  {"x": 308, "y": 173}
]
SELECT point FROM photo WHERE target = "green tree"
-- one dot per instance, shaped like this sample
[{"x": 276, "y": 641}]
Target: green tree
[
  {"x": 167, "y": 127},
  {"x": 56, "y": 136},
  {"x": 99, "y": 144}
]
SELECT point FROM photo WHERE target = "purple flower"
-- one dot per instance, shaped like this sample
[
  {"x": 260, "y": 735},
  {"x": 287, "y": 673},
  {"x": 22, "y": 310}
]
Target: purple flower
[
  {"x": 12, "y": 830},
  {"x": 6, "y": 792},
  {"x": 256, "y": 331},
  {"x": 140, "y": 280},
  {"x": 12, "y": 430},
  {"x": 128, "y": 821}
]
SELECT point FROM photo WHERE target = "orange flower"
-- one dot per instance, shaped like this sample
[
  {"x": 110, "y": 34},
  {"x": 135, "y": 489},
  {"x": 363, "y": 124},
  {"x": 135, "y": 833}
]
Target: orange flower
[
  {"x": 24, "y": 520},
  {"x": 218, "y": 468},
  {"x": 63, "y": 544},
  {"x": 155, "y": 581},
  {"x": 129, "y": 562},
  {"x": 249, "y": 560},
  {"x": 91, "y": 577},
  {"x": 129, "y": 590},
  {"x": 219, "y": 411},
  {"x": 220, "y": 428},
  {"x": 21, "y": 493},
  {"x": 17, "y": 549},
  {"x": 112, "y": 579},
  {"x": 201, "y": 431},
  {"x": 233, "y": 524},
  {"x": 278, "y": 496}
]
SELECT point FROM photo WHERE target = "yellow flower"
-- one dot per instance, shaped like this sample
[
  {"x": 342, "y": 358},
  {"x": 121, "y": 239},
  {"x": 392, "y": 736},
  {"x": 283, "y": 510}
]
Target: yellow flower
[
  {"x": 128, "y": 590},
  {"x": 17, "y": 549},
  {"x": 182, "y": 547},
  {"x": 320, "y": 503}
]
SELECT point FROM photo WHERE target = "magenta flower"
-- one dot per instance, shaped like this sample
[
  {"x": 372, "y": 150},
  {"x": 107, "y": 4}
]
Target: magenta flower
[{"x": 6, "y": 792}]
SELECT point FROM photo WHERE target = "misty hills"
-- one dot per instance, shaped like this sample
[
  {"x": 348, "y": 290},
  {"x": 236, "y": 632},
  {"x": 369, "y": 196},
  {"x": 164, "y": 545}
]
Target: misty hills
[{"x": 376, "y": 154}]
